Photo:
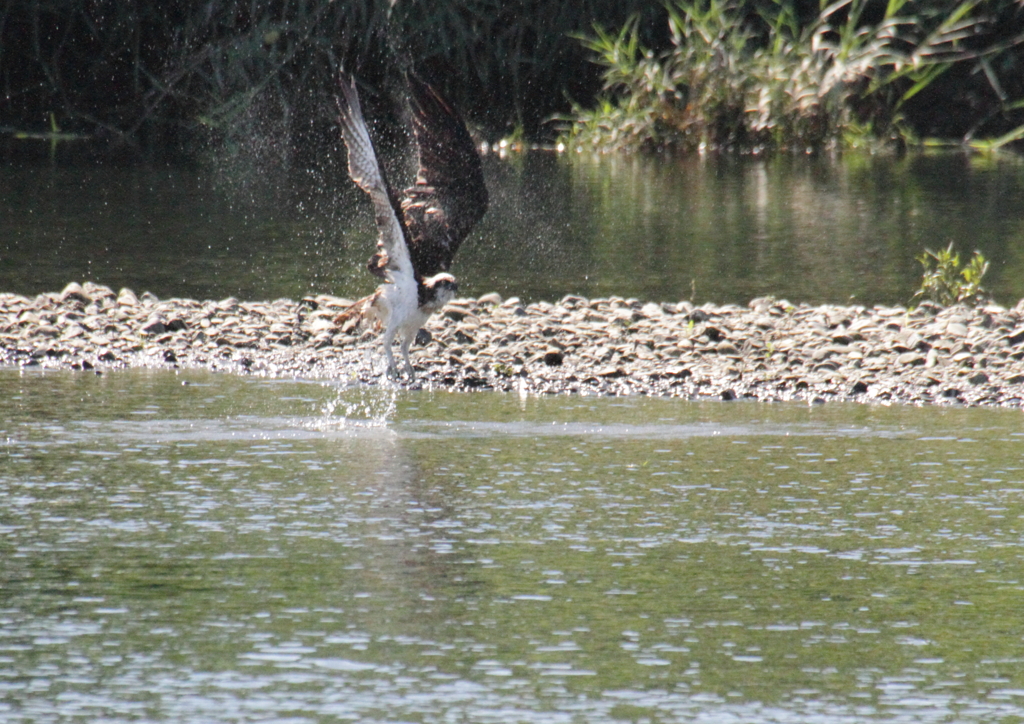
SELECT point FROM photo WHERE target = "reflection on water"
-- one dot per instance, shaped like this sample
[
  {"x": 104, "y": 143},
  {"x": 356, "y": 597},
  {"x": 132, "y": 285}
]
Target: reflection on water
[
  {"x": 715, "y": 229},
  {"x": 232, "y": 549}
]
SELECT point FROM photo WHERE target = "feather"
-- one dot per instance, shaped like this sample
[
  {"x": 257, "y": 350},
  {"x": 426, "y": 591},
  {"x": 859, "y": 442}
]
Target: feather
[
  {"x": 367, "y": 173},
  {"x": 449, "y": 196},
  {"x": 419, "y": 235}
]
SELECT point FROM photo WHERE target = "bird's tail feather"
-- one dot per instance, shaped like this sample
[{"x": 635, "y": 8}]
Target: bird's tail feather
[{"x": 360, "y": 316}]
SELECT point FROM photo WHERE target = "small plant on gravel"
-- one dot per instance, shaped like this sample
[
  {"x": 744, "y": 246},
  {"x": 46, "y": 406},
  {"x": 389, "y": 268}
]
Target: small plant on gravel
[
  {"x": 946, "y": 282},
  {"x": 503, "y": 369}
]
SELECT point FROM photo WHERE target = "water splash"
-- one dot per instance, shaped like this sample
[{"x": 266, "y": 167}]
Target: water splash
[{"x": 360, "y": 406}]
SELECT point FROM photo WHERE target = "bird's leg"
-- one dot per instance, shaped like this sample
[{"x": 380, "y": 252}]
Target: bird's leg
[
  {"x": 389, "y": 336},
  {"x": 405, "y": 356}
]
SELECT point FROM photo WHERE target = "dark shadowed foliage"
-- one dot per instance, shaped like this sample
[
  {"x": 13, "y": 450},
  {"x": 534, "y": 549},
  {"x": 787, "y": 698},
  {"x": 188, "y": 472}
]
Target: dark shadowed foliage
[
  {"x": 193, "y": 78},
  {"x": 164, "y": 75}
]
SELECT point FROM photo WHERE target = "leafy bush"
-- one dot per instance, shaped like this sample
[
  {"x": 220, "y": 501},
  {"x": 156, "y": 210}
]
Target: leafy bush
[{"x": 946, "y": 282}]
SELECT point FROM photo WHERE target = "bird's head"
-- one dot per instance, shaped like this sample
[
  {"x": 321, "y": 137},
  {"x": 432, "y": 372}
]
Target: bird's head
[{"x": 438, "y": 290}]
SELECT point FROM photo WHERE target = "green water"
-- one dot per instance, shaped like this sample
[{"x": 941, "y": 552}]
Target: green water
[
  {"x": 715, "y": 229},
  {"x": 196, "y": 547}
]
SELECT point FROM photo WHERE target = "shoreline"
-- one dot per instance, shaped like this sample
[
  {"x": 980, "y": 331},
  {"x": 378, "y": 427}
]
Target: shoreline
[{"x": 769, "y": 350}]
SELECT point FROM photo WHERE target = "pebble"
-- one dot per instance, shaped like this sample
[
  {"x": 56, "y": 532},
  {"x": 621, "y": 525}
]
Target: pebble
[{"x": 770, "y": 350}]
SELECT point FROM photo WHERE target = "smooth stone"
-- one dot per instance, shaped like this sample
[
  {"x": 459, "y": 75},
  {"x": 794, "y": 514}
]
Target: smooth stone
[
  {"x": 97, "y": 291},
  {"x": 553, "y": 357},
  {"x": 651, "y": 309},
  {"x": 320, "y": 325},
  {"x": 911, "y": 358},
  {"x": 492, "y": 298},
  {"x": 859, "y": 388},
  {"x": 74, "y": 292},
  {"x": 1015, "y": 337}
]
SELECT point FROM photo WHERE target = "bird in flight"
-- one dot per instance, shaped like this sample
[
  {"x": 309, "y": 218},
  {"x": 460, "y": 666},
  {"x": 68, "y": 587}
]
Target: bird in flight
[{"x": 419, "y": 233}]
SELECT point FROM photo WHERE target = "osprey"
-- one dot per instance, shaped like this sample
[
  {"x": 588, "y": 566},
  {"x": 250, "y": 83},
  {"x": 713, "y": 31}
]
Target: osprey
[{"x": 420, "y": 233}]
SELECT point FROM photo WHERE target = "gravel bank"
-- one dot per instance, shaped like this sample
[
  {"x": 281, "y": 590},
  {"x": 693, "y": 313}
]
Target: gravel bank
[{"x": 769, "y": 350}]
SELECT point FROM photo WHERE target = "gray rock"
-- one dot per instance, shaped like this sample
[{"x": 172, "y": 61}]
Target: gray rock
[
  {"x": 73, "y": 293},
  {"x": 553, "y": 357},
  {"x": 1015, "y": 337},
  {"x": 153, "y": 326},
  {"x": 651, "y": 310},
  {"x": 911, "y": 359},
  {"x": 768, "y": 350}
]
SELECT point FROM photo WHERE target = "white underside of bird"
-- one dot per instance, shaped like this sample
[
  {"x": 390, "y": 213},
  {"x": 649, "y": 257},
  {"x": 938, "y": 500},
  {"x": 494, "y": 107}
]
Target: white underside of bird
[
  {"x": 419, "y": 233},
  {"x": 395, "y": 304}
]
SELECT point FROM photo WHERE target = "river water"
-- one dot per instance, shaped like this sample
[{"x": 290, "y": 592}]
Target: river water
[
  {"x": 808, "y": 229},
  {"x": 198, "y": 547},
  {"x": 195, "y": 547}
]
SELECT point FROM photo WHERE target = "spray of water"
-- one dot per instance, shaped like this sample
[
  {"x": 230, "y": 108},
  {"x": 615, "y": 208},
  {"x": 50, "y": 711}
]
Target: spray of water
[{"x": 360, "y": 407}]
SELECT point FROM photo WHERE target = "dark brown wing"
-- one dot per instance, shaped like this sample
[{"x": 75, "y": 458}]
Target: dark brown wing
[{"x": 449, "y": 196}]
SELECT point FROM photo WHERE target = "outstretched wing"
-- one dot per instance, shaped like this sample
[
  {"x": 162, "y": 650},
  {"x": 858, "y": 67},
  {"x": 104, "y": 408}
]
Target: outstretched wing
[
  {"x": 392, "y": 247},
  {"x": 449, "y": 196}
]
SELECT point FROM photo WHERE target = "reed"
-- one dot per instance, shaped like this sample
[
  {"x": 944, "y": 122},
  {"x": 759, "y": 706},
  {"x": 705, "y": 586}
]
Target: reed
[{"x": 772, "y": 82}]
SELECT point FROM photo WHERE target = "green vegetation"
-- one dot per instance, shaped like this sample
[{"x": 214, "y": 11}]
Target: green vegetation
[
  {"x": 503, "y": 369},
  {"x": 737, "y": 80},
  {"x": 160, "y": 75},
  {"x": 946, "y": 282},
  {"x": 745, "y": 74}
]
